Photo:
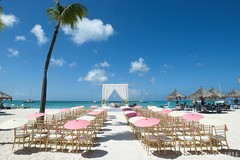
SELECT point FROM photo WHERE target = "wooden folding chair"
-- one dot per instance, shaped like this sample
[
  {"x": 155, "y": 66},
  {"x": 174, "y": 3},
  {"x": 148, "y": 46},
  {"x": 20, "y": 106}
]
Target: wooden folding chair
[
  {"x": 203, "y": 137},
  {"x": 85, "y": 138},
  {"x": 54, "y": 135},
  {"x": 69, "y": 138},
  {"x": 151, "y": 138},
  {"x": 21, "y": 136},
  {"x": 167, "y": 138},
  {"x": 219, "y": 136},
  {"x": 39, "y": 134},
  {"x": 187, "y": 140}
]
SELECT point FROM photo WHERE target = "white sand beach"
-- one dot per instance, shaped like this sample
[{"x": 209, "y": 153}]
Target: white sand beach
[{"x": 116, "y": 141}]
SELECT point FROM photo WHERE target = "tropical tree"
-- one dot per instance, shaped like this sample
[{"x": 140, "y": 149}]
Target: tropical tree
[
  {"x": 63, "y": 15},
  {"x": 1, "y": 22}
]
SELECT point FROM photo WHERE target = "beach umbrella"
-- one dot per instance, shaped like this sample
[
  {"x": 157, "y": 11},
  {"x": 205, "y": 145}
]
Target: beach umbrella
[
  {"x": 5, "y": 96},
  {"x": 175, "y": 95},
  {"x": 192, "y": 117},
  {"x": 134, "y": 119},
  {"x": 166, "y": 111},
  {"x": 13, "y": 123},
  {"x": 146, "y": 122},
  {"x": 201, "y": 93},
  {"x": 36, "y": 115},
  {"x": 65, "y": 110},
  {"x": 76, "y": 124},
  {"x": 234, "y": 94},
  {"x": 217, "y": 93}
]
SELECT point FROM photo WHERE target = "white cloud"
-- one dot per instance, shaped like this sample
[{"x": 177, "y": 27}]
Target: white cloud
[
  {"x": 95, "y": 51},
  {"x": 2, "y": 70},
  {"x": 13, "y": 52},
  {"x": 20, "y": 38},
  {"x": 103, "y": 64},
  {"x": 9, "y": 19},
  {"x": 139, "y": 67},
  {"x": 153, "y": 81},
  {"x": 199, "y": 64},
  {"x": 39, "y": 33},
  {"x": 193, "y": 56},
  {"x": 89, "y": 30},
  {"x": 166, "y": 67},
  {"x": 73, "y": 64},
  {"x": 57, "y": 62},
  {"x": 96, "y": 76}
]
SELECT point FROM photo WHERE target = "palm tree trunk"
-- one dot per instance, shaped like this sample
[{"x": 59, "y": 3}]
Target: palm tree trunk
[{"x": 44, "y": 82}]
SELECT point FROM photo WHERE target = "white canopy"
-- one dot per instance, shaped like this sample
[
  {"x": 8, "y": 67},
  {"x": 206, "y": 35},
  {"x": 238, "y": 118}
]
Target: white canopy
[{"x": 121, "y": 89}]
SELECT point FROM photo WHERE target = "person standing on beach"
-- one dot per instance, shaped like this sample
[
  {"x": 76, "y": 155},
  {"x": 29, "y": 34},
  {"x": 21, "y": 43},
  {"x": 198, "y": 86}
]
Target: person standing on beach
[
  {"x": 202, "y": 101},
  {"x": 236, "y": 101}
]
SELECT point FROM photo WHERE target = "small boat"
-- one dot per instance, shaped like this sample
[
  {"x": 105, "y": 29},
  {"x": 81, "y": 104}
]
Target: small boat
[
  {"x": 95, "y": 101},
  {"x": 141, "y": 100},
  {"x": 29, "y": 101}
]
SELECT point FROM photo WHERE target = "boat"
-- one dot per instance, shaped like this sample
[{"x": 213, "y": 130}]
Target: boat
[
  {"x": 29, "y": 101},
  {"x": 141, "y": 100}
]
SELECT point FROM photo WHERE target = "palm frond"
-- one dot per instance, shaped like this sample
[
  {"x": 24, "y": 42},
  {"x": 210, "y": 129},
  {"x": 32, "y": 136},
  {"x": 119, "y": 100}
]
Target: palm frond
[
  {"x": 1, "y": 22},
  {"x": 71, "y": 14},
  {"x": 53, "y": 14}
]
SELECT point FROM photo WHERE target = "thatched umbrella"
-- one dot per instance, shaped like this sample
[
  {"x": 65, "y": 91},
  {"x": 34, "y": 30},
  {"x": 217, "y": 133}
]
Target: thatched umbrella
[
  {"x": 234, "y": 94},
  {"x": 4, "y": 96},
  {"x": 175, "y": 95},
  {"x": 217, "y": 93},
  {"x": 201, "y": 93}
]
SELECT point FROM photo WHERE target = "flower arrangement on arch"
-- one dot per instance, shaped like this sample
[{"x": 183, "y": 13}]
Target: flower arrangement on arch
[
  {"x": 103, "y": 101},
  {"x": 125, "y": 101}
]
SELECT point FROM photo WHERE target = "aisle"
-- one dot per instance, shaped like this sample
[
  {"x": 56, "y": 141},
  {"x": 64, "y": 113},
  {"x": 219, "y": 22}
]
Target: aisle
[{"x": 117, "y": 141}]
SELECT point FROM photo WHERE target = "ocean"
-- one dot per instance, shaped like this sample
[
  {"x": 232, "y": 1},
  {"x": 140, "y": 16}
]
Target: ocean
[{"x": 86, "y": 104}]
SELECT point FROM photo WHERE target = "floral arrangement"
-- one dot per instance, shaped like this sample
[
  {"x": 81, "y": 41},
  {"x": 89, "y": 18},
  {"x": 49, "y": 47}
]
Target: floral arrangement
[
  {"x": 103, "y": 101},
  {"x": 125, "y": 101}
]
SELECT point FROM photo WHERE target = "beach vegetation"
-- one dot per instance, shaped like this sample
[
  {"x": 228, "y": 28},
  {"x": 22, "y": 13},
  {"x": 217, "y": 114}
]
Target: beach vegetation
[
  {"x": 63, "y": 15},
  {"x": 1, "y": 21}
]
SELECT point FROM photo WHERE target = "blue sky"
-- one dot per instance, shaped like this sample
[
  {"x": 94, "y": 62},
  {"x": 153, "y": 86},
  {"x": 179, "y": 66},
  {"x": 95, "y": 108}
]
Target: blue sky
[{"x": 153, "y": 45}]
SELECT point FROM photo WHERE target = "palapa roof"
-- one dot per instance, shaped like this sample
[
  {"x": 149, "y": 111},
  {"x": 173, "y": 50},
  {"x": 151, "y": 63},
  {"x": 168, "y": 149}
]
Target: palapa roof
[
  {"x": 4, "y": 96},
  {"x": 234, "y": 94},
  {"x": 175, "y": 95},
  {"x": 201, "y": 93},
  {"x": 217, "y": 93}
]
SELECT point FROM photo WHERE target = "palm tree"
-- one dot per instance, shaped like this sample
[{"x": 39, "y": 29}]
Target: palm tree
[
  {"x": 64, "y": 15},
  {"x": 1, "y": 22}
]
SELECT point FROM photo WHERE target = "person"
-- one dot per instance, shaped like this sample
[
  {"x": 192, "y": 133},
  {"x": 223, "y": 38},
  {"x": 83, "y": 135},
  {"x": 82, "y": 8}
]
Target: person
[
  {"x": 177, "y": 102},
  {"x": 236, "y": 101},
  {"x": 202, "y": 101},
  {"x": 1, "y": 105},
  {"x": 195, "y": 105}
]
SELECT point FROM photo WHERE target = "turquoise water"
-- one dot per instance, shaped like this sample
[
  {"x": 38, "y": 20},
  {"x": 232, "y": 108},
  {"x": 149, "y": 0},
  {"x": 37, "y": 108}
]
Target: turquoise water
[{"x": 87, "y": 104}]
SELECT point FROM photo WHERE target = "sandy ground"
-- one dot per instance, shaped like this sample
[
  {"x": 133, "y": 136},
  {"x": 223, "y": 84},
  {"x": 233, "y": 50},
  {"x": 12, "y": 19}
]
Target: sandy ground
[{"x": 116, "y": 141}]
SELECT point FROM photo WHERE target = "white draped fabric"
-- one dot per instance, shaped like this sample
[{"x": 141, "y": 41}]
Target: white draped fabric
[{"x": 121, "y": 89}]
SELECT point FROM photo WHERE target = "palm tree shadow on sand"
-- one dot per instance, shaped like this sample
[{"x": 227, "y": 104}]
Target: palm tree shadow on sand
[{"x": 94, "y": 154}]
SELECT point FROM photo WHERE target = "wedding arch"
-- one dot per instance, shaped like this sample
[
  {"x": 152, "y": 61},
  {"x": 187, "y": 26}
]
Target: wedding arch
[{"x": 121, "y": 89}]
